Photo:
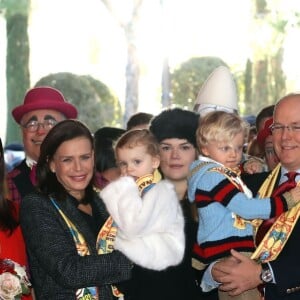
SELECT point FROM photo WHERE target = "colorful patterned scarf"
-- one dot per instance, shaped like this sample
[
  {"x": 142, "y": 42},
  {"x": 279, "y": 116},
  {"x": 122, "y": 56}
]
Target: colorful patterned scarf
[
  {"x": 278, "y": 234},
  {"x": 105, "y": 240}
]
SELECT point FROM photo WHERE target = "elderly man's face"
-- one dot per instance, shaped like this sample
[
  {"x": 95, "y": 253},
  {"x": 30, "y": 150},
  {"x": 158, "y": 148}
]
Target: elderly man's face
[
  {"x": 32, "y": 139},
  {"x": 286, "y": 139}
]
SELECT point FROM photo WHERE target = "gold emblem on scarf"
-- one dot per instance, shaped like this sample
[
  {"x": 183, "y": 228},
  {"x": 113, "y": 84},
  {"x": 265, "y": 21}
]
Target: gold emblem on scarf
[{"x": 144, "y": 181}]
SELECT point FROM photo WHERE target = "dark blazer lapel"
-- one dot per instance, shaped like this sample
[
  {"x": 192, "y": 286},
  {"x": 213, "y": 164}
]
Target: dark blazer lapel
[
  {"x": 69, "y": 208},
  {"x": 101, "y": 207},
  {"x": 278, "y": 179},
  {"x": 22, "y": 180}
]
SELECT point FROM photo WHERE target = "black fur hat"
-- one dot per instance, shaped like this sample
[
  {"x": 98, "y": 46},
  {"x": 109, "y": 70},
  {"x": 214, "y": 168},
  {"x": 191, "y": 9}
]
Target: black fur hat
[{"x": 175, "y": 123}]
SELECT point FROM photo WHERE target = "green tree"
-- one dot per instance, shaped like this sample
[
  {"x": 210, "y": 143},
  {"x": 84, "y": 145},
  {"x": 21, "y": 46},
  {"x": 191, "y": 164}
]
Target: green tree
[
  {"x": 17, "y": 60},
  {"x": 97, "y": 105},
  {"x": 187, "y": 79},
  {"x": 248, "y": 87},
  {"x": 267, "y": 82}
]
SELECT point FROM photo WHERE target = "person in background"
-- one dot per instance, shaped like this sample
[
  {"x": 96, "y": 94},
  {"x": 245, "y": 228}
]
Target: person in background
[
  {"x": 255, "y": 154},
  {"x": 225, "y": 204},
  {"x": 13, "y": 155},
  {"x": 12, "y": 245},
  {"x": 140, "y": 120},
  {"x": 66, "y": 227},
  {"x": 107, "y": 169},
  {"x": 276, "y": 260},
  {"x": 147, "y": 213},
  {"x": 43, "y": 107},
  {"x": 255, "y": 148},
  {"x": 264, "y": 114},
  {"x": 251, "y": 136},
  {"x": 265, "y": 140},
  {"x": 175, "y": 131}
]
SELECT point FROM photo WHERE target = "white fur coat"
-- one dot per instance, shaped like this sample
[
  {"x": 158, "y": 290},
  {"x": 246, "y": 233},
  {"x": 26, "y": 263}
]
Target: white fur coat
[{"x": 150, "y": 229}]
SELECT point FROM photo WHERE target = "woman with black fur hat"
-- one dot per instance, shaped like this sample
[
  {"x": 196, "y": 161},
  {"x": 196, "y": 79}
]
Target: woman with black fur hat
[{"x": 175, "y": 131}]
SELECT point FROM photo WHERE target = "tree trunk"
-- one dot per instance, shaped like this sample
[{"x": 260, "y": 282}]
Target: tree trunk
[
  {"x": 17, "y": 70},
  {"x": 132, "y": 83},
  {"x": 166, "y": 99}
]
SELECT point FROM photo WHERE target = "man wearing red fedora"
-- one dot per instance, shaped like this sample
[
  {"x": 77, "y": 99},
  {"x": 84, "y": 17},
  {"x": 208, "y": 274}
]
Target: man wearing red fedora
[{"x": 43, "y": 107}]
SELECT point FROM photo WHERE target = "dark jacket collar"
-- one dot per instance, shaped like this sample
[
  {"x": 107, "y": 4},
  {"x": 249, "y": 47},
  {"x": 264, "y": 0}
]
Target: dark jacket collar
[{"x": 69, "y": 208}]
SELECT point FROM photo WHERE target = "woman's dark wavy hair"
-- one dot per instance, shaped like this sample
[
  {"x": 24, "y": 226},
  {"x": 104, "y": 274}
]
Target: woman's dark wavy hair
[
  {"x": 8, "y": 215},
  {"x": 64, "y": 131}
]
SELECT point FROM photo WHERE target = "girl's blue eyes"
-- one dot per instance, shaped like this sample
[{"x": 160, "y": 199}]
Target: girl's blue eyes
[{"x": 123, "y": 164}]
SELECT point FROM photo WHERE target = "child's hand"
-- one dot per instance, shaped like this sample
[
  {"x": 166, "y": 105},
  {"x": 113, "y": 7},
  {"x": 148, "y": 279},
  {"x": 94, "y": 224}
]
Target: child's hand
[{"x": 254, "y": 165}]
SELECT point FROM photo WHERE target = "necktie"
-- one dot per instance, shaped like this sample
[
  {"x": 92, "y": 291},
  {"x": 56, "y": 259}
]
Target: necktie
[
  {"x": 33, "y": 175},
  {"x": 287, "y": 185},
  {"x": 282, "y": 188}
]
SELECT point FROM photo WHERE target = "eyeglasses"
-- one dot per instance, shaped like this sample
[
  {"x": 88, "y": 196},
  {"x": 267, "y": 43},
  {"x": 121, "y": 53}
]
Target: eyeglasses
[
  {"x": 33, "y": 126},
  {"x": 278, "y": 128}
]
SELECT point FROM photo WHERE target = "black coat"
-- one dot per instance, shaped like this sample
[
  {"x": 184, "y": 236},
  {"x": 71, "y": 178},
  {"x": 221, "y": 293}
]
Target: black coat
[
  {"x": 56, "y": 268},
  {"x": 286, "y": 267},
  {"x": 19, "y": 182},
  {"x": 173, "y": 283}
]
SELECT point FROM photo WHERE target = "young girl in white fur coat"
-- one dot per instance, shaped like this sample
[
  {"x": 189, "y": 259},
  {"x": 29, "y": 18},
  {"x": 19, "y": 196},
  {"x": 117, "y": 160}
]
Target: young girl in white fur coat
[{"x": 147, "y": 212}]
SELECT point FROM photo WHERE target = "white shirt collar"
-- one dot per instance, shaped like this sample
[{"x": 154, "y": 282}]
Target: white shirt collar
[{"x": 30, "y": 162}]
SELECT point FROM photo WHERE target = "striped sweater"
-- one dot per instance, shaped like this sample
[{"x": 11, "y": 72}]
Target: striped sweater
[{"x": 221, "y": 197}]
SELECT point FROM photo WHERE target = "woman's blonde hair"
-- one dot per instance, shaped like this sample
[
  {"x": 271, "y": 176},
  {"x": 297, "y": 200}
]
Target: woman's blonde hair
[{"x": 220, "y": 126}]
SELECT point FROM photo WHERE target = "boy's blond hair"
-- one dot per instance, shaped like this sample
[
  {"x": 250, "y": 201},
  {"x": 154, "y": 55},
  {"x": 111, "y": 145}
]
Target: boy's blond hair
[{"x": 220, "y": 126}]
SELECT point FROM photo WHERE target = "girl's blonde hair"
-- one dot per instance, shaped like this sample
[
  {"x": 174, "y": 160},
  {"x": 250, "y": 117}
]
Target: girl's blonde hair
[
  {"x": 138, "y": 137},
  {"x": 220, "y": 126}
]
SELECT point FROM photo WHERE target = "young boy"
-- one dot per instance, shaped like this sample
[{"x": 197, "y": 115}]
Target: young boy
[
  {"x": 225, "y": 204},
  {"x": 147, "y": 213}
]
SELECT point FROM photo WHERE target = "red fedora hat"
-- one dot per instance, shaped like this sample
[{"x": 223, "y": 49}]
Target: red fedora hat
[
  {"x": 44, "y": 97},
  {"x": 264, "y": 132}
]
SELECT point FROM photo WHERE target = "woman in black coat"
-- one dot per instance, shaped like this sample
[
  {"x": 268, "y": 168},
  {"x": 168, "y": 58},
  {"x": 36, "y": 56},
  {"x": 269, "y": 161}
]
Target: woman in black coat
[
  {"x": 61, "y": 221},
  {"x": 175, "y": 131}
]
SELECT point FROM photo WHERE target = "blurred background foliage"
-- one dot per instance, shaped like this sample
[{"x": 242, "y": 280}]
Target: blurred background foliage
[
  {"x": 97, "y": 105},
  {"x": 260, "y": 82},
  {"x": 187, "y": 79}
]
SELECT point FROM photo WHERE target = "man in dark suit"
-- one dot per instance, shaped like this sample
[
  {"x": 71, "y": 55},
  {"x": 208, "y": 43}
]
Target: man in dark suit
[
  {"x": 42, "y": 108},
  {"x": 280, "y": 274}
]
